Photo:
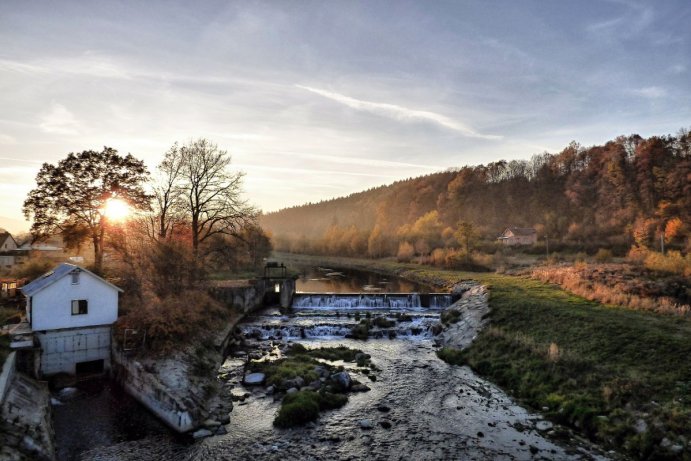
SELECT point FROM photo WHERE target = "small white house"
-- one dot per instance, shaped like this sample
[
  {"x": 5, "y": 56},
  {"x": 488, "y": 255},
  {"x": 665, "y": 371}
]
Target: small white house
[
  {"x": 518, "y": 236},
  {"x": 71, "y": 312}
]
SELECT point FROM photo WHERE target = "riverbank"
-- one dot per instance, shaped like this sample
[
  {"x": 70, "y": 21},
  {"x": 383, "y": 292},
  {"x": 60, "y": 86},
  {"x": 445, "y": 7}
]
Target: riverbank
[{"x": 619, "y": 377}]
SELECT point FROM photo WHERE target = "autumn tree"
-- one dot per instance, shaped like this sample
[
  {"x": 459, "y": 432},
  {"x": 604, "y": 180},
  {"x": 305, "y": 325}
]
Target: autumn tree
[
  {"x": 71, "y": 195},
  {"x": 465, "y": 235}
]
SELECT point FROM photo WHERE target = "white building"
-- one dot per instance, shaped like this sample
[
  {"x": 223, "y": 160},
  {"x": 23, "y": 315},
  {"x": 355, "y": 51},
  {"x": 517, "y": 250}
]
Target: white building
[{"x": 71, "y": 311}]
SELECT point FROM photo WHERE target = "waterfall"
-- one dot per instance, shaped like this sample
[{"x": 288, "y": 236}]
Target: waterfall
[{"x": 369, "y": 301}]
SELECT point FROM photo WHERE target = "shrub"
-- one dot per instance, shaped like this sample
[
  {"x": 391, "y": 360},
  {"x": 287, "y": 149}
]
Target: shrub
[
  {"x": 298, "y": 409},
  {"x": 173, "y": 320},
  {"x": 452, "y": 356},
  {"x": 450, "y": 316},
  {"x": 672, "y": 262},
  {"x": 383, "y": 322},
  {"x": 603, "y": 255},
  {"x": 304, "y": 406}
]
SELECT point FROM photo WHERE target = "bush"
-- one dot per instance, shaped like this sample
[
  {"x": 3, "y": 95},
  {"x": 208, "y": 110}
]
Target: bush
[
  {"x": 304, "y": 406},
  {"x": 603, "y": 255},
  {"x": 173, "y": 320},
  {"x": 452, "y": 356},
  {"x": 298, "y": 409},
  {"x": 450, "y": 316},
  {"x": 672, "y": 262},
  {"x": 383, "y": 322}
]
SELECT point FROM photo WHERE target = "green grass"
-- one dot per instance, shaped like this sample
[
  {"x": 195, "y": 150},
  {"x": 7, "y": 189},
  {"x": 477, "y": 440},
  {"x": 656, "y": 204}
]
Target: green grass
[{"x": 598, "y": 369}]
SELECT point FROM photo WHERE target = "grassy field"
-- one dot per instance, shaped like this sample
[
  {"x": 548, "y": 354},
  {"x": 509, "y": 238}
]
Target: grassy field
[{"x": 620, "y": 377}]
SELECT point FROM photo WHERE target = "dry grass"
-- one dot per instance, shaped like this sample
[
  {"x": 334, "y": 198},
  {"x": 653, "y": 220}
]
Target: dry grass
[{"x": 615, "y": 284}]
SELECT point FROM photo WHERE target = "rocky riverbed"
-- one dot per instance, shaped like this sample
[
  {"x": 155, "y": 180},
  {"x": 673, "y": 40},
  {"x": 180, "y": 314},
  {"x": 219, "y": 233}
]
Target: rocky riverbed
[{"x": 418, "y": 408}]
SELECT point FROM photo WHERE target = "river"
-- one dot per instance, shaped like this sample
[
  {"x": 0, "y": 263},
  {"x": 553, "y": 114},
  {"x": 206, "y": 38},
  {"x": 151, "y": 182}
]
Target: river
[{"x": 419, "y": 408}]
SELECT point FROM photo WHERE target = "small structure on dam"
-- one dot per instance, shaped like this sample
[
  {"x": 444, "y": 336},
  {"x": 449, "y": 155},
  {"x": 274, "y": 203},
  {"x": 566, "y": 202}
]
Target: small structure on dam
[{"x": 275, "y": 287}]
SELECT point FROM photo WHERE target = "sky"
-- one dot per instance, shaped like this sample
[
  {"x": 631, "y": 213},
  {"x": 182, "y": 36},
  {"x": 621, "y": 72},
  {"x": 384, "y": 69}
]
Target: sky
[{"x": 320, "y": 99}]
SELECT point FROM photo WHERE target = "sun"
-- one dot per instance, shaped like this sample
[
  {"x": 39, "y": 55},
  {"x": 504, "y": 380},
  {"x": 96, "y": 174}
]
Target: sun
[{"x": 116, "y": 209}]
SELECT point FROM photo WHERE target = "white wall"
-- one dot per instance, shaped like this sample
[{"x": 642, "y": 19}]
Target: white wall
[
  {"x": 52, "y": 306},
  {"x": 62, "y": 350}
]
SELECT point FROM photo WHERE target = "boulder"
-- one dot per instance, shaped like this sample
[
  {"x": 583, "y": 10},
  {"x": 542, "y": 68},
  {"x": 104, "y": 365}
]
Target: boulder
[
  {"x": 543, "y": 426},
  {"x": 297, "y": 382},
  {"x": 342, "y": 380},
  {"x": 292, "y": 390},
  {"x": 201, "y": 433},
  {"x": 321, "y": 371},
  {"x": 225, "y": 419},
  {"x": 211, "y": 423},
  {"x": 365, "y": 424},
  {"x": 255, "y": 379},
  {"x": 359, "y": 388},
  {"x": 221, "y": 430}
]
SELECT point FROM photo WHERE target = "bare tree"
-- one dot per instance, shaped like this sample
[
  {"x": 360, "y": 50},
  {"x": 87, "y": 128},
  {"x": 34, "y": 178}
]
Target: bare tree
[
  {"x": 211, "y": 192},
  {"x": 168, "y": 198}
]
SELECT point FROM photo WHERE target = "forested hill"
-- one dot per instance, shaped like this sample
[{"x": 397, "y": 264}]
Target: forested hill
[{"x": 626, "y": 191}]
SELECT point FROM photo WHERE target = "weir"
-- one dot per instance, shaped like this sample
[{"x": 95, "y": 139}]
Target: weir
[{"x": 348, "y": 301}]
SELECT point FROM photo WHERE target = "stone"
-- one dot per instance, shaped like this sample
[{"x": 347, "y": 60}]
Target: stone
[
  {"x": 292, "y": 390},
  {"x": 315, "y": 385},
  {"x": 221, "y": 430},
  {"x": 383, "y": 408},
  {"x": 360, "y": 388},
  {"x": 225, "y": 419},
  {"x": 321, "y": 371},
  {"x": 270, "y": 390},
  {"x": 211, "y": 423},
  {"x": 437, "y": 328},
  {"x": 543, "y": 426},
  {"x": 255, "y": 379},
  {"x": 201, "y": 433},
  {"x": 342, "y": 380},
  {"x": 365, "y": 424},
  {"x": 297, "y": 382},
  {"x": 641, "y": 426}
]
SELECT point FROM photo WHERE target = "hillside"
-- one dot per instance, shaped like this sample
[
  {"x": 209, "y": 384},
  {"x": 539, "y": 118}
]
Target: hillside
[{"x": 628, "y": 191}]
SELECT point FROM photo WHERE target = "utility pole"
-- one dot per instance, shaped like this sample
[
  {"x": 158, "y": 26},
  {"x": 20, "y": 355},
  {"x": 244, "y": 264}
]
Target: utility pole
[{"x": 662, "y": 242}]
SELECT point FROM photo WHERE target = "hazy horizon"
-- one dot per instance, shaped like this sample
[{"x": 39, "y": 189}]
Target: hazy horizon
[{"x": 316, "y": 100}]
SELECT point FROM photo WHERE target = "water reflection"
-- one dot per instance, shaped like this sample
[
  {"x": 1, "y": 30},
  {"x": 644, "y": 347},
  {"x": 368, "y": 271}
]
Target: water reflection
[{"x": 328, "y": 280}]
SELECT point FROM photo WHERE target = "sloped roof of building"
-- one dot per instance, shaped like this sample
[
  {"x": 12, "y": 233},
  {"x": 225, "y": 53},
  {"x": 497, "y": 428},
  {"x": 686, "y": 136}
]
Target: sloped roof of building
[
  {"x": 522, "y": 231},
  {"x": 4, "y": 235},
  {"x": 53, "y": 276}
]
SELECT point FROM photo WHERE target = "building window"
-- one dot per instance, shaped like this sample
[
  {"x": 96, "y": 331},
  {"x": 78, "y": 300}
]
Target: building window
[
  {"x": 79, "y": 307},
  {"x": 75, "y": 278}
]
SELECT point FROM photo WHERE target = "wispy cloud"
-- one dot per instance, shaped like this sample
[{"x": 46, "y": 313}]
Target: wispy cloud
[
  {"x": 651, "y": 92},
  {"x": 59, "y": 120},
  {"x": 400, "y": 113},
  {"x": 364, "y": 161}
]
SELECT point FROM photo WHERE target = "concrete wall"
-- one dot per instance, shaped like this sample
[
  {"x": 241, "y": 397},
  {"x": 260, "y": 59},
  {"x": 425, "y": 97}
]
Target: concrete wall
[
  {"x": 52, "y": 307},
  {"x": 61, "y": 350},
  {"x": 7, "y": 375},
  {"x": 151, "y": 393}
]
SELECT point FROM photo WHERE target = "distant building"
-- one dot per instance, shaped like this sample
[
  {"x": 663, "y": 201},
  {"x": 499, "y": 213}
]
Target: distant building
[
  {"x": 518, "y": 236},
  {"x": 7, "y": 242},
  {"x": 70, "y": 312}
]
